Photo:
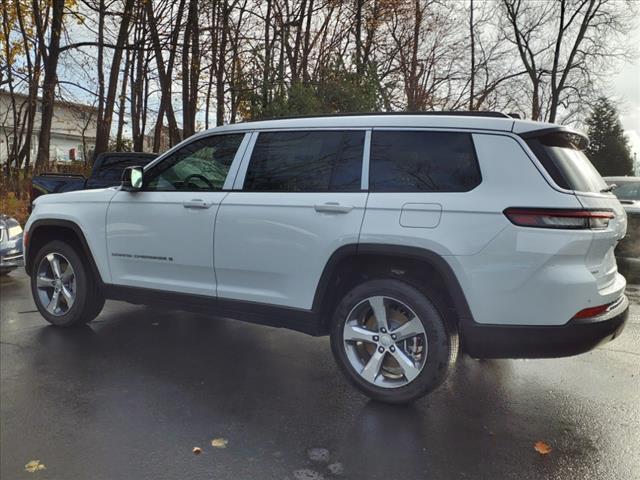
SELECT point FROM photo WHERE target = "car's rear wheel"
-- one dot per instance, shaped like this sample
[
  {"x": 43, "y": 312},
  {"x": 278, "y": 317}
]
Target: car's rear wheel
[
  {"x": 391, "y": 341},
  {"x": 63, "y": 287}
]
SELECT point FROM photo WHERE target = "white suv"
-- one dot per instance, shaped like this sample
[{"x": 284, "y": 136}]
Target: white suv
[{"x": 401, "y": 236}]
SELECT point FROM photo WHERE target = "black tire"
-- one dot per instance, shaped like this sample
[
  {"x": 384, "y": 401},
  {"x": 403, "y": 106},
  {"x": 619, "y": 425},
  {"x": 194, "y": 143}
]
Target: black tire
[
  {"x": 442, "y": 340},
  {"x": 88, "y": 301}
]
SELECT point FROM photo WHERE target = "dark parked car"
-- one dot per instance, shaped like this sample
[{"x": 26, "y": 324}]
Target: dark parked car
[
  {"x": 10, "y": 244},
  {"x": 106, "y": 172},
  {"x": 628, "y": 250}
]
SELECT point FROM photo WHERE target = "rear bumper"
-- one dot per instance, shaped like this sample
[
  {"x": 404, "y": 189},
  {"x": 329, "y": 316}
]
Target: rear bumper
[{"x": 573, "y": 338}]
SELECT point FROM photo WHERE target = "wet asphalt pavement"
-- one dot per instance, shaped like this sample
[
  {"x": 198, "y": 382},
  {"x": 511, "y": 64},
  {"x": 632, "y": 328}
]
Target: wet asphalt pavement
[{"x": 131, "y": 395}]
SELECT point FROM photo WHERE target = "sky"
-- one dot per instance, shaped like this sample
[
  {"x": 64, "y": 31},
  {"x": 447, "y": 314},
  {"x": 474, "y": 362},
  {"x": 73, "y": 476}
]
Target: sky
[{"x": 626, "y": 89}]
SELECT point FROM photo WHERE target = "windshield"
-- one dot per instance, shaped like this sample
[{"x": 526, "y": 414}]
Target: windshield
[
  {"x": 627, "y": 191},
  {"x": 561, "y": 155}
]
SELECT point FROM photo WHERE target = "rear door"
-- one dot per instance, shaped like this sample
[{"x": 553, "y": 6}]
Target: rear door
[
  {"x": 301, "y": 199},
  {"x": 562, "y": 157},
  {"x": 423, "y": 190},
  {"x": 162, "y": 237}
]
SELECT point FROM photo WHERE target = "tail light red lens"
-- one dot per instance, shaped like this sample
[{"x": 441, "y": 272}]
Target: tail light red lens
[
  {"x": 562, "y": 219},
  {"x": 592, "y": 311}
]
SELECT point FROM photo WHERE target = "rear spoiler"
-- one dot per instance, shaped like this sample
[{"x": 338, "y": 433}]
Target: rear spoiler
[{"x": 578, "y": 138}]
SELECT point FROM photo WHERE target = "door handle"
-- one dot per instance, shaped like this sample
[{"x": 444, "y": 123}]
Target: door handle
[
  {"x": 333, "y": 207},
  {"x": 196, "y": 203}
]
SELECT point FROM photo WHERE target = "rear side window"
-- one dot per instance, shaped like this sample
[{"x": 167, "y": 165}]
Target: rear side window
[
  {"x": 415, "y": 161},
  {"x": 560, "y": 153},
  {"x": 306, "y": 161}
]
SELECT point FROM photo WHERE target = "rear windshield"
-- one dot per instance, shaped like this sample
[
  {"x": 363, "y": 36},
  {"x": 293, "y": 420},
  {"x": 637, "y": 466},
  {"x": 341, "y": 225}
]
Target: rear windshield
[{"x": 561, "y": 155}]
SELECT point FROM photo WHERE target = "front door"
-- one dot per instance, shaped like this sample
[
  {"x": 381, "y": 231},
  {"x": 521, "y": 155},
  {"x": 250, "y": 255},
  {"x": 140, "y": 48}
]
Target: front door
[
  {"x": 301, "y": 200},
  {"x": 162, "y": 237}
]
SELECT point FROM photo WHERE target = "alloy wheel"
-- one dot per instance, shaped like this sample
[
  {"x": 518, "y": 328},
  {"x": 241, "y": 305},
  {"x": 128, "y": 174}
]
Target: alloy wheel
[
  {"x": 56, "y": 284},
  {"x": 385, "y": 342}
]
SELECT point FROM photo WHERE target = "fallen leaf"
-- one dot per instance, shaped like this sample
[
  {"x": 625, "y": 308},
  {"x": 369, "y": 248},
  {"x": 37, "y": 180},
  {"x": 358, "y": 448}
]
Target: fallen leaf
[
  {"x": 542, "y": 448},
  {"x": 34, "y": 466},
  {"x": 219, "y": 442},
  {"x": 197, "y": 450}
]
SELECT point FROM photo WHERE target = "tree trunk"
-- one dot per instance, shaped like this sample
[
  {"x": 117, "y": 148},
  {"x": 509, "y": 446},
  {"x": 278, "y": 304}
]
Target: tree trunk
[
  {"x": 267, "y": 59},
  {"x": 33, "y": 75},
  {"x": 101, "y": 99},
  {"x": 412, "y": 94},
  {"x": 472, "y": 85},
  {"x": 122, "y": 99},
  {"x": 190, "y": 70},
  {"x": 165, "y": 75},
  {"x": 49, "y": 83},
  {"x": 304, "y": 63},
  {"x": 358, "y": 35},
  {"x": 104, "y": 126},
  {"x": 222, "y": 56}
]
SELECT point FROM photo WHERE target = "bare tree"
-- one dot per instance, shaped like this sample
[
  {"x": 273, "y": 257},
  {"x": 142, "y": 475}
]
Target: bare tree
[
  {"x": 104, "y": 123},
  {"x": 565, "y": 46},
  {"x": 50, "y": 77}
]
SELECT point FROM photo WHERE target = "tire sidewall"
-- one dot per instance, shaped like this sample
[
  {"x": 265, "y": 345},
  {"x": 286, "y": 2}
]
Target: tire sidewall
[
  {"x": 438, "y": 340},
  {"x": 74, "y": 315}
]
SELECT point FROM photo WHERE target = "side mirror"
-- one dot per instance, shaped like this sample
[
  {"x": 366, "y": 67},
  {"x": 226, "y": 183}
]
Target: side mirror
[{"x": 132, "y": 179}]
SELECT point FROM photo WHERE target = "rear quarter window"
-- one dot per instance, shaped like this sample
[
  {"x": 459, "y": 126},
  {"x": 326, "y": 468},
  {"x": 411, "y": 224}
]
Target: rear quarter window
[
  {"x": 560, "y": 153},
  {"x": 422, "y": 161}
]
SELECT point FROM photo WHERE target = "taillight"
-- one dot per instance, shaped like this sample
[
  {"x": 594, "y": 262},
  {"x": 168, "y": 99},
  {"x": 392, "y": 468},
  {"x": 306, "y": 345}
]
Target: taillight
[
  {"x": 556, "y": 218},
  {"x": 592, "y": 311}
]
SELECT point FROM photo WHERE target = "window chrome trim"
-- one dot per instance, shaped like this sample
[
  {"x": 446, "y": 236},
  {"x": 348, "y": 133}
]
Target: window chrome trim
[
  {"x": 244, "y": 162},
  {"x": 366, "y": 151},
  {"x": 237, "y": 160}
]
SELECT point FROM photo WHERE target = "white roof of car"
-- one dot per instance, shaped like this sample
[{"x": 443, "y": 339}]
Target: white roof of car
[{"x": 472, "y": 122}]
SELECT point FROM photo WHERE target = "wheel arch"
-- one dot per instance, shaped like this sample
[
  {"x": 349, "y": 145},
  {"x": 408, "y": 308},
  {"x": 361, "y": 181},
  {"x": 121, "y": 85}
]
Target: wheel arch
[
  {"x": 352, "y": 263},
  {"x": 44, "y": 230}
]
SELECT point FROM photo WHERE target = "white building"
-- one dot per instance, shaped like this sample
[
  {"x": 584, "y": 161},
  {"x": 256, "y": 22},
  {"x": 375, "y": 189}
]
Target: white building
[{"x": 73, "y": 129}]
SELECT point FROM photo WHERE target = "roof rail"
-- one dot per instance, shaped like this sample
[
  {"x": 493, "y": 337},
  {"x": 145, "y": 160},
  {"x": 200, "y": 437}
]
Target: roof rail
[{"x": 456, "y": 113}]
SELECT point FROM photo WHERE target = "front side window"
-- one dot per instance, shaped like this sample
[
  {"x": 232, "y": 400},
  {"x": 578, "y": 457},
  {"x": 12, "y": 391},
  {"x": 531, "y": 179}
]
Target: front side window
[
  {"x": 306, "y": 161},
  {"x": 201, "y": 165},
  {"x": 420, "y": 161}
]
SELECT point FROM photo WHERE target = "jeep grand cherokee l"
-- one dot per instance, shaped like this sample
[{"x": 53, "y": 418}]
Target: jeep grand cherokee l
[{"x": 400, "y": 236}]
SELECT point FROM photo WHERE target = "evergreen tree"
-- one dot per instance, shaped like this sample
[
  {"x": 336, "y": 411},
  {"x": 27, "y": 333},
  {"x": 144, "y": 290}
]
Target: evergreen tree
[{"x": 608, "y": 147}]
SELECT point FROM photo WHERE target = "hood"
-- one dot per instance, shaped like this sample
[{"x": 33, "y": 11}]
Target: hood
[{"x": 95, "y": 195}]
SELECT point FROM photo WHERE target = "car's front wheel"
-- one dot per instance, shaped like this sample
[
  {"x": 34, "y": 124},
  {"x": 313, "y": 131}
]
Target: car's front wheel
[
  {"x": 63, "y": 287},
  {"x": 391, "y": 341}
]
